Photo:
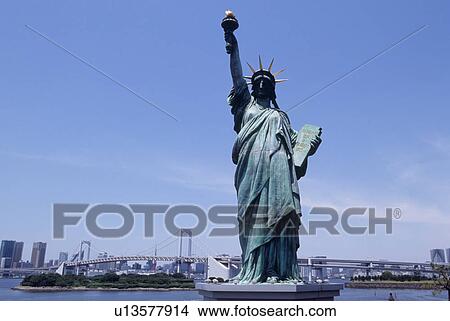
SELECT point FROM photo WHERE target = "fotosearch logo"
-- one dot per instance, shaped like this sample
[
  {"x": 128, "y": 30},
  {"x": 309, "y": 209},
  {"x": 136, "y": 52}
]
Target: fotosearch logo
[{"x": 223, "y": 219}]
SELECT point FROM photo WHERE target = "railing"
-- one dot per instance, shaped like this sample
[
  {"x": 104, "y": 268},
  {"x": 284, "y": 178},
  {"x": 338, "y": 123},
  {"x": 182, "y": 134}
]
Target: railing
[{"x": 193, "y": 259}]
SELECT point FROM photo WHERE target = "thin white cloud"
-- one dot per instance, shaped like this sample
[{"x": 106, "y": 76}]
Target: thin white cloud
[
  {"x": 69, "y": 160},
  {"x": 418, "y": 183},
  {"x": 441, "y": 144},
  {"x": 199, "y": 176}
]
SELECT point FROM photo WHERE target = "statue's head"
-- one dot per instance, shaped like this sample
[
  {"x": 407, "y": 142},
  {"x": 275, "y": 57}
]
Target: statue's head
[
  {"x": 263, "y": 84},
  {"x": 263, "y": 81}
]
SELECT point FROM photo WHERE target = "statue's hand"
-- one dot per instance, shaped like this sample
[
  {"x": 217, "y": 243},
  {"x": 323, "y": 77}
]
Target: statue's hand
[
  {"x": 315, "y": 143},
  {"x": 230, "y": 38},
  {"x": 231, "y": 41}
]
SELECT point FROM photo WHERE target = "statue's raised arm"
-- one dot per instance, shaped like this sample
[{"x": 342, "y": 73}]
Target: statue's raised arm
[
  {"x": 239, "y": 97},
  {"x": 229, "y": 25}
]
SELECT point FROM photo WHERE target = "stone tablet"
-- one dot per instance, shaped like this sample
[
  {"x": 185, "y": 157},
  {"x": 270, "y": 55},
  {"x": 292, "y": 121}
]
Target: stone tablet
[{"x": 303, "y": 144}]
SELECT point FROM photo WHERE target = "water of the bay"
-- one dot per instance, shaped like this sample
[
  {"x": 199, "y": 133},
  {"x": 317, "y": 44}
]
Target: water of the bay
[{"x": 348, "y": 294}]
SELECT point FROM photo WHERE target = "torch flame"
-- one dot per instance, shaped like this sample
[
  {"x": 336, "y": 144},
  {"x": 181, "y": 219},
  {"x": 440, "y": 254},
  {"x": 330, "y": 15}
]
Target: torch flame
[{"x": 229, "y": 13}]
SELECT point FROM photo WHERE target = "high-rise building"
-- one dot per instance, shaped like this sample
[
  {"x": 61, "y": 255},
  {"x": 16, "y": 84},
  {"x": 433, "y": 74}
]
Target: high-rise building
[
  {"x": 6, "y": 253},
  {"x": 52, "y": 262},
  {"x": 437, "y": 255},
  {"x": 17, "y": 252},
  {"x": 447, "y": 252},
  {"x": 38, "y": 254},
  {"x": 5, "y": 263},
  {"x": 63, "y": 257}
]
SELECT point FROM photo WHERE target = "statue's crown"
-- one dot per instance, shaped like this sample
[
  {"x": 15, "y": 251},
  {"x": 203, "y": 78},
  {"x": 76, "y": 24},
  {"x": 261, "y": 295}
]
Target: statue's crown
[{"x": 264, "y": 73}]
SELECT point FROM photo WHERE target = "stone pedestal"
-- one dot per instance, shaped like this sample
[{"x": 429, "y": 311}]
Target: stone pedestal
[{"x": 265, "y": 291}]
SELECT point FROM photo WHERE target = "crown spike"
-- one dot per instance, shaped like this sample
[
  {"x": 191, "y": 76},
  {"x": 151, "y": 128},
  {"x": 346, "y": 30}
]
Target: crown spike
[
  {"x": 247, "y": 77},
  {"x": 260, "y": 63},
  {"x": 251, "y": 68},
  {"x": 280, "y": 80},
  {"x": 279, "y": 72},
  {"x": 271, "y": 64}
]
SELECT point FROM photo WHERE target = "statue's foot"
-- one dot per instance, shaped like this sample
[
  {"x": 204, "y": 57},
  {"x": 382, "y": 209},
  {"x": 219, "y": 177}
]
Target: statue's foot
[
  {"x": 273, "y": 279},
  {"x": 295, "y": 281}
]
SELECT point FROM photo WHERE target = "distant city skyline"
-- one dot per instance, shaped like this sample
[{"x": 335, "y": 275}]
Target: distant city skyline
[{"x": 13, "y": 250}]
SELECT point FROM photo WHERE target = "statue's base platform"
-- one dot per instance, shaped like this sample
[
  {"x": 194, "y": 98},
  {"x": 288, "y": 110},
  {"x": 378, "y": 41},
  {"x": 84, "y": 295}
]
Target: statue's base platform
[{"x": 266, "y": 291}]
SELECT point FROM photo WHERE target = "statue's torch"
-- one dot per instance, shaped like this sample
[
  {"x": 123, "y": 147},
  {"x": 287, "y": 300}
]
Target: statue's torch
[{"x": 229, "y": 25}]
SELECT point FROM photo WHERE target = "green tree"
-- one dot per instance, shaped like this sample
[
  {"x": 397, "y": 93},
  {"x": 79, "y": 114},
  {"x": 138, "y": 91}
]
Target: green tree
[
  {"x": 110, "y": 277},
  {"x": 442, "y": 281}
]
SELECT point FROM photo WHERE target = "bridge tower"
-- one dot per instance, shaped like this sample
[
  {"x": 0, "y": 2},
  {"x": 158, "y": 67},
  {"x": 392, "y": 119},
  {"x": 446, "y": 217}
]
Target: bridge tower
[
  {"x": 84, "y": 245},
  {"x": 81, "y": 252},
  {"x": 184, "y": 233}
]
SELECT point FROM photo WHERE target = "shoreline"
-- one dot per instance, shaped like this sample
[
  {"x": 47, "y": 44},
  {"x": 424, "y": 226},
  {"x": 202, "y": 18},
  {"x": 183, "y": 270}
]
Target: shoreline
[
  {"x": 353, "y": 285},
  {"x": 392, "y": 285},
  {"x": 68, "y": 289}
]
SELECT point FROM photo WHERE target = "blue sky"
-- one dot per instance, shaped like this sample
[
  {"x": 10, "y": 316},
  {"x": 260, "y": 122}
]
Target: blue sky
[{"x": 68, "y": 134}]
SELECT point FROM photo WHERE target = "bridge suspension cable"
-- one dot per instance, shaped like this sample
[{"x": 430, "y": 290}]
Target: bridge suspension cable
[{"x": 157, "y": 246}]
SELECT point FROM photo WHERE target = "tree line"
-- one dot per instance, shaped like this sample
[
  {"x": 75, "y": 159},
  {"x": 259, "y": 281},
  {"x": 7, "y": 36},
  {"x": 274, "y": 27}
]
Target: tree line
[{"x": 109, "y": 280}]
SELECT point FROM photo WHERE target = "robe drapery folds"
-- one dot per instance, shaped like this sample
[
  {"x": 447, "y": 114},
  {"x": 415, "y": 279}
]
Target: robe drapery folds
[{"x": 267, "y": 190}]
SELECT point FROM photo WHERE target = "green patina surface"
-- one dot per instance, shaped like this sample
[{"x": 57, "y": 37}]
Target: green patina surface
[{"x": 267, "y": 170}]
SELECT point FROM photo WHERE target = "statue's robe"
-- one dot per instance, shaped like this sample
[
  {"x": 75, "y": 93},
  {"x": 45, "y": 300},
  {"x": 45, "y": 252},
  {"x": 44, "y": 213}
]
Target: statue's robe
[{"x": 267, "y": 189}]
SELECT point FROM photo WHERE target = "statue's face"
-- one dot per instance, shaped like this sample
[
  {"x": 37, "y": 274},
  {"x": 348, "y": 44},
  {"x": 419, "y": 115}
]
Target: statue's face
[{"x": 263, "y": 89}]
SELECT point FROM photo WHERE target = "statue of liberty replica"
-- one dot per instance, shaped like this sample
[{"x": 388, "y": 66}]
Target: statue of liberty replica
[{"x": 270, "y": 157}]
